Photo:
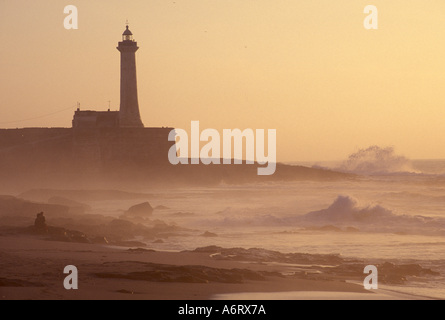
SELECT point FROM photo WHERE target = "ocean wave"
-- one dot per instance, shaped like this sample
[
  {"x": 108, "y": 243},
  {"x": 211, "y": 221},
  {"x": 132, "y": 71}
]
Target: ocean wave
[
  {"x": 344, "y": 214},
  {"x": 346, "y": 209},
  {"x": 376, "y": 160}
]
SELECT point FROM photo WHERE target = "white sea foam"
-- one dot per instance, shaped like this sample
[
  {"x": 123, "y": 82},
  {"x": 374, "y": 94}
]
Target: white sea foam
[
  {"x": 344, "y": 212},
  {"x": 376, "y": 160}
]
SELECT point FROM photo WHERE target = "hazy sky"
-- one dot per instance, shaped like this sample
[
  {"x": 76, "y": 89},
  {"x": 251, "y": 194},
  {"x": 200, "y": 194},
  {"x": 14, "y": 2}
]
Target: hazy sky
[{"x": 307, "y": 68}]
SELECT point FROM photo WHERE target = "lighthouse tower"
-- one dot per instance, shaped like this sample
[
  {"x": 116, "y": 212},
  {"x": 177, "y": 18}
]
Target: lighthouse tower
[{"x": 129, "y": 115}]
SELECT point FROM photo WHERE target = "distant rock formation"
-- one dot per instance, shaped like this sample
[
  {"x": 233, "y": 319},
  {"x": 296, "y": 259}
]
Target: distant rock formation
[
  {"x": 208, "y": 234},
  {"x": 40, "y": 223},
  {"x": 140, "y": 210}
]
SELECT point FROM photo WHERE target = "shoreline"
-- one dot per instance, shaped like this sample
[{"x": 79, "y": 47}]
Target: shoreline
[{"x": 36, "y": 268}]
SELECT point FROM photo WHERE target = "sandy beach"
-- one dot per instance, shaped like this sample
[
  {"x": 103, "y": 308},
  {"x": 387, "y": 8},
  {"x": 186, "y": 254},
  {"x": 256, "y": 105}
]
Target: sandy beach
[{"x": 32, "y": 268}]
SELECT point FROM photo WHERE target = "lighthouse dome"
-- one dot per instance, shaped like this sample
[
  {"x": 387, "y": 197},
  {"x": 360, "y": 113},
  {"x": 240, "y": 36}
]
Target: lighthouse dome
[{"x": 127, "y": 32}]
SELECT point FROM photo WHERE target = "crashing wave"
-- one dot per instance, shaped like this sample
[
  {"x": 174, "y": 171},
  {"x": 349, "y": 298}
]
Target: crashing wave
[
  {"x": 344, "y": 214},
  {"x": 376, "y": 161},
  {"x": 345, "y": 211}
]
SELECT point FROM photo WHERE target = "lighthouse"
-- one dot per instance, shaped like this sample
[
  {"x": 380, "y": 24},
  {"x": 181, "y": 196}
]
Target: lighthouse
[{"x": 129, "y": 115}]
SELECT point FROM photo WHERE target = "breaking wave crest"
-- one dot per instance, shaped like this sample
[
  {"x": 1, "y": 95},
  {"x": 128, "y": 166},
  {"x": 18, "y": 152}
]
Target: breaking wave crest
[
  {"x": 345, "y": 213},
  {"x": 375, "y": 161},
  {"x": 346, "y": 210}
]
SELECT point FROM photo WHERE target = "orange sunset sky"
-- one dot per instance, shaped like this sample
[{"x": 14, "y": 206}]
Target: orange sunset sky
[{"x": 307, "y": 68}]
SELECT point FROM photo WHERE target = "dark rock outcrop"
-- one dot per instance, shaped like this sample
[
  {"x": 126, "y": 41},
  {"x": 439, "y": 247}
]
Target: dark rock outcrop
[
  {"x": 188, "y": 274},
  {"x": 263, "y": 255},
  {"x": 40, "y": 224},
  {"x": 140, "y": 210},
  {"x": 208, "y": 234}
]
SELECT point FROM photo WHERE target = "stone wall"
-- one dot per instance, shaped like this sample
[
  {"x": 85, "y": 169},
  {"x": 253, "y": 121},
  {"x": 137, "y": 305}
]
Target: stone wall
[
  {"x": 66, "y": 152},
  {"x": 107, "y": 147}
]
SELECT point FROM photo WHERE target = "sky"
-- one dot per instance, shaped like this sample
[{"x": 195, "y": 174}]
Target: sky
[{"x": 307, "y": 68}]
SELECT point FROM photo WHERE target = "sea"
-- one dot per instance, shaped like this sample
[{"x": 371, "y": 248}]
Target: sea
[{"x": 392, "y": 210}]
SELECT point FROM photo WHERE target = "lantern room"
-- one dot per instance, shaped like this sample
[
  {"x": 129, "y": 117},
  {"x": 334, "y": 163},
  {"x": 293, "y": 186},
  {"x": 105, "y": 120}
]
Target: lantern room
[{"x": 127, "y": 35}]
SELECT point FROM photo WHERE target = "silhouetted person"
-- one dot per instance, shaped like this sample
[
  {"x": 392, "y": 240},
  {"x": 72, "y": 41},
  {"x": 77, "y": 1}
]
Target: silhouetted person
[{"x": 40, "y": 223}]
